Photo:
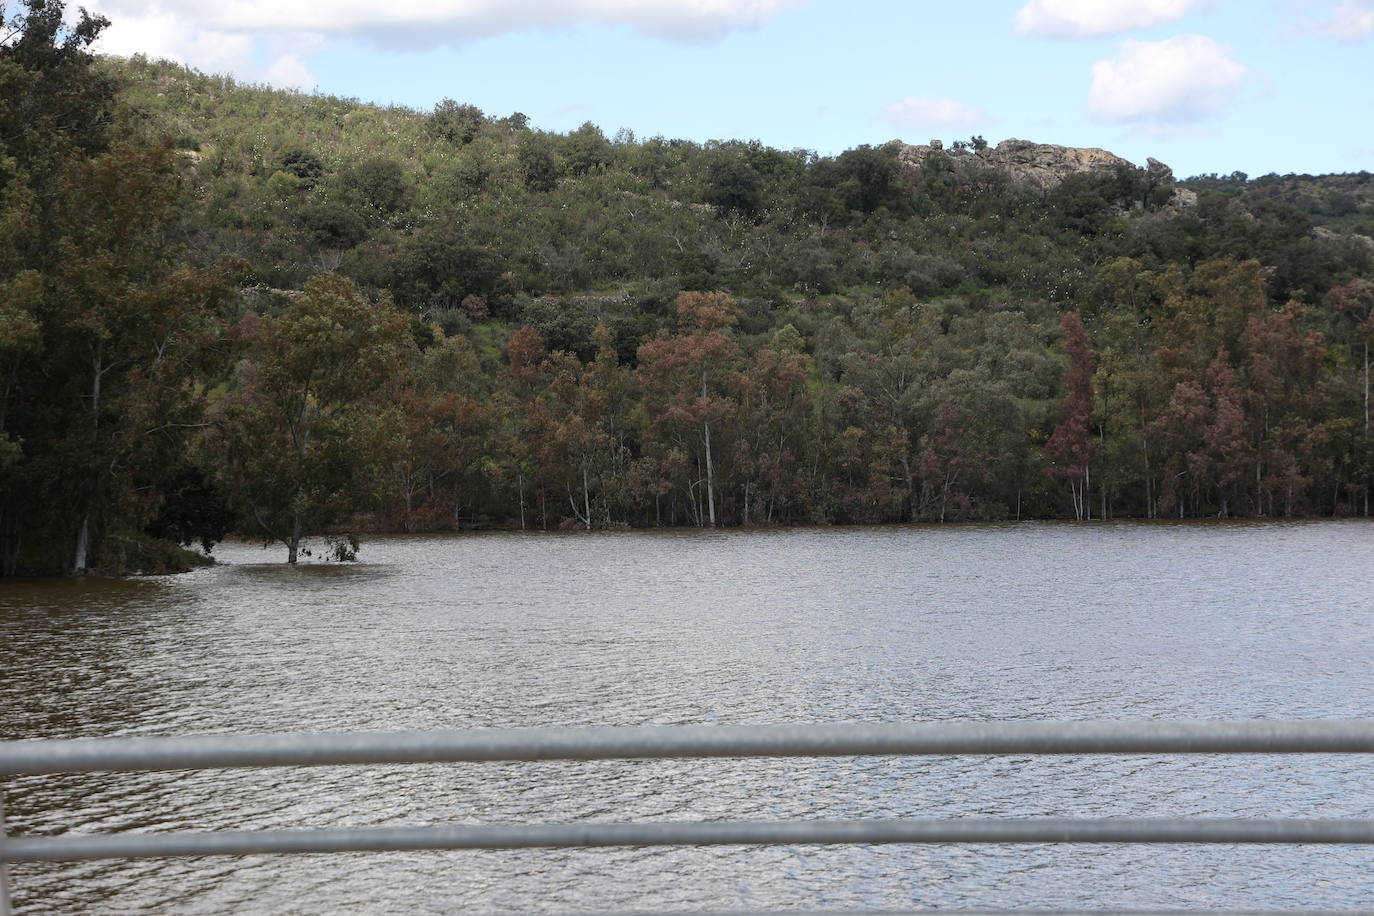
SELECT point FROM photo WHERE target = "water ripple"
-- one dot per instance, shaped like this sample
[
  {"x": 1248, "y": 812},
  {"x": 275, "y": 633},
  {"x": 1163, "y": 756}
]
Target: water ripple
[{"x": 895, "y": 624}]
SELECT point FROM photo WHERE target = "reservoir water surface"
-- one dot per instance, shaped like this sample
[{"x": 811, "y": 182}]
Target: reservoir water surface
[{"x": 1028, "y": 621}]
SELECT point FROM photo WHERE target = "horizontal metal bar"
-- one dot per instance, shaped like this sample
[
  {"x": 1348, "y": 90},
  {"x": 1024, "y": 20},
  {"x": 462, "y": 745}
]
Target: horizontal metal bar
[
  {"x": 526, "y": 744},
  {"x": 687, "y": 833}
]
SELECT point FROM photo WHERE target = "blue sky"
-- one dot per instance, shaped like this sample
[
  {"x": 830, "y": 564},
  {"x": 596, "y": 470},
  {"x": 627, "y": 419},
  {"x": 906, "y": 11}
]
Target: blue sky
[{"x": 1202, "y": 85}]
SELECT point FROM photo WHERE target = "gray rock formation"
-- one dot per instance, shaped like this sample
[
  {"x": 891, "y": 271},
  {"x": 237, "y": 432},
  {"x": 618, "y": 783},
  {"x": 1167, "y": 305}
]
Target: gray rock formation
[
  {"x": 1323, "y": 234},
  {"x": 1035, "y": 167},
  {"x": 1182, "y": 199}
]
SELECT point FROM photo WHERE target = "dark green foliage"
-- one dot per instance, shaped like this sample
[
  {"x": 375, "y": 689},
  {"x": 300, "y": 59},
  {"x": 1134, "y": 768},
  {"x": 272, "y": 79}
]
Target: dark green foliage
[
  {"x": 1085, "y": 202},
  {"x": 380, "y": 182},
  {"x": 439, "y": 268},
  {"x": 515, "y": 122},
  {"x": 303, "y": 164},
  {"x": 734, "y": 186},
  {"x": 333, "y": 223},
  {"x": 563, "y": 325},
  {"x": 538, "y": 168},
  {"x": 369, "y": 265},
  {"x": 106, "y": 341},
  {"x": 422, "y": 334},
  {"x": 193, "y": 511},
  {"x": 309, "y": 425},
  {"x": 586, "y": 150},
  {"x": 455, "y": 123},
  {"x": 48, "y": 92},
  {"x": 867, "y": 178},
  {"x": 1340, "y": 202}
]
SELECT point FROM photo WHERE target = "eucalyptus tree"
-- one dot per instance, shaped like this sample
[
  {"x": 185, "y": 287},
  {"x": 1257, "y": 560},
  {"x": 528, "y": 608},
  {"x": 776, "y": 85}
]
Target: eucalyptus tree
[
  {"x": 108, "y": 340},
  {"x": 683, "y": 380},
  {"x": 309, "y": 431}
]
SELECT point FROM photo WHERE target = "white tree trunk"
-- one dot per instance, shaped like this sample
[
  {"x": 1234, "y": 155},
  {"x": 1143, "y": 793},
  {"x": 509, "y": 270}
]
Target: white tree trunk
[
  {"x": 83, "y": 534},
  {"x": 293, "y": 544},
  {"x": 710, "y": 469},
  {"x": 586, "y": 498},
  {"x": 83, "y": 542}
]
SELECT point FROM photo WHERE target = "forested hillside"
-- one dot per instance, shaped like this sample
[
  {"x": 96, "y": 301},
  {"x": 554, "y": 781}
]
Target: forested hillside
[{"x": 230, "y": 306}]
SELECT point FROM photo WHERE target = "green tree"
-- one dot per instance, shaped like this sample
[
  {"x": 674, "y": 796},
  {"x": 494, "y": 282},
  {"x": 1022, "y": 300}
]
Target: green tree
[
  {"x": 380, "y": 182},
  {"x": 52, "y": 101},
  {"x": 524, "y": 380},
  {"x": 1283, "y": 399},
  {"x": 586, "y": 150},
  {"x": 108, "y": 342},
  {"x": 734, "y": 186},
  {"x": 972, "y": 447},
  {"x": 308, "y": 431},
  {"x": 455, "y": 123},
  {"x": 580, "y": 429},
  {"x": 568, "y": 431},
  {"x": 333, "y": 223},
  {"x": 775, "y": 427},
  {"x": 439, "y": 267},
  {"x": 538, "y": 168},
  {"x": 1354, "y": 303},
  {"x": 891, "y": 365},
  {"x": 1130, "y": 385},
  {"x": 870, "y": 178},
  {"x": 303, "y": 164}
]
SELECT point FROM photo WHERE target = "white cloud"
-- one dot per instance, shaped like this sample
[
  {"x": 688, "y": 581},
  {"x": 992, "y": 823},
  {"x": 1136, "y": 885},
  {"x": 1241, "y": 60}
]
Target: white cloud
[
  {"x": 165, "y": 35},
  {"x": 1350, "y": 20},
  {"x": 432, "y": 22},
  {"x": 924, "y": 112},
  {"x": 1092, "y": 18},
  {"x": 290, "y": 72},
  {"x": 164, "y": 32},
  {"x": 1183, "y": 79},
  {"x": 272, "y": 40}
]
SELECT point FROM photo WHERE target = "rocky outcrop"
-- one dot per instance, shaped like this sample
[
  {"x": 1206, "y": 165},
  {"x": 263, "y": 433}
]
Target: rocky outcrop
[
  {"x": 1033, "y": 166},
  {"x": 1182, "y": 199},
  {"x": 1323, "y": 234}
]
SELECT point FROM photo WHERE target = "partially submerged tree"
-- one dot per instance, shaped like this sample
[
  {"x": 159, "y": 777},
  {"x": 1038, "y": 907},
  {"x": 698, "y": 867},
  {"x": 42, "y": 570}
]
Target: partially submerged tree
[{"x": 309, "y": 430}]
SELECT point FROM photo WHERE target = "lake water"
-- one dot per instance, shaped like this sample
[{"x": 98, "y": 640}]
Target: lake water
[{"x": 1029, "y": 621}]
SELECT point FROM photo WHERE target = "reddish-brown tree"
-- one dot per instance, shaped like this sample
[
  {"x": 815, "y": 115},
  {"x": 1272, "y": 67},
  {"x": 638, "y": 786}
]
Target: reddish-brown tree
[
  {"x": 1069, "y": 448},
  {"x": 774, "y": 413},
  {"x": 1355, "y": 300},
  {"x": 1283, "y": 415},
  {"x": 683, "y": 382}
]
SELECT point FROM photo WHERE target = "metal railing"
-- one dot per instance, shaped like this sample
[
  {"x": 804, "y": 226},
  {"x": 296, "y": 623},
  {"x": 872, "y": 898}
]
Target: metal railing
[{"x": 545, "y": 744}]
